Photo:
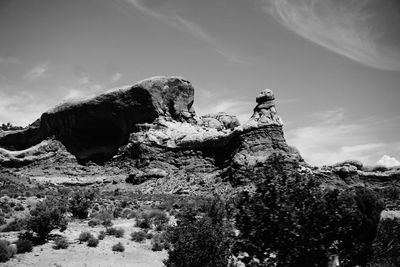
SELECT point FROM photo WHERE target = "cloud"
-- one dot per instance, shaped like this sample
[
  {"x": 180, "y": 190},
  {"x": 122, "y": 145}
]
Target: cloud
[
  {"x": 345, "y": 27},
  {"x": 388, "y": 161},
  {"x": 330, "y": 140},
  {"x": 166, "y": 14},
  {"x": 116, "y": 77},
  {"x": 21, "y": 107},
  {"x": 9, "y": 60},
  {"x": 38, "y": 71}
]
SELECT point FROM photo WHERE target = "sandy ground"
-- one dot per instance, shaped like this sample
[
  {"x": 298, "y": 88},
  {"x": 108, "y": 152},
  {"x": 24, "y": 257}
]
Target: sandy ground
[{"x": 135, "y": 254}]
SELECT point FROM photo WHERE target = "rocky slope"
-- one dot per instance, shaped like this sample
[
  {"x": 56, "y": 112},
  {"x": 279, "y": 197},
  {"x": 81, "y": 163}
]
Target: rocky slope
[{"x": 150, "y": 134}]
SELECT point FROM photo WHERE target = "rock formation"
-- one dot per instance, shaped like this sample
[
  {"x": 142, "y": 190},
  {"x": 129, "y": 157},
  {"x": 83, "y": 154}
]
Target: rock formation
[
  {"x": 94, "y": 129},
  {"x": 150, "y": 131}
]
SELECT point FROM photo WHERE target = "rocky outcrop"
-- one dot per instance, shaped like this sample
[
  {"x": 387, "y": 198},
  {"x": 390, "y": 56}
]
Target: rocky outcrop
[
  {"x": 150, "y": 133},
  {"x": 95, "y": 128}
]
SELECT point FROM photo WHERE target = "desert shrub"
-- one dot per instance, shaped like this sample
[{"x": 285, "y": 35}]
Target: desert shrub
[
  {"x": 387, "y": 242},
  {"x": 19, "y": 207},
  {"x": 106, "y": 215},
  {"x": 156, "y": 245},
  {"x": 2, "y": 220},
  {"x": 47, "y": 216},
  {"x": 158, "y": 217},
  {"x": 16, "y": 224},
  {"x": 61, "y": 242},
  {"x": 84, "y": 236},
  {"x": 93, "y": 222},
  {"x": 392, "y": 192},
  {"x": 6, "y": 252},
  {"x": 291, "y": 221},
  {"x": 24, "y": 245},
  {"x": 138, "y": 236},
  {"x": 80, "y": 203},
  {"x": 93, "y": 242},
  {"x": 101, "y": 235},
  {"x": 118, "y": 247},
  {"x": 197, "y": 242},
  {"x": 143, "y": 221},
  {"x": 149, "y": 235},
  {"x": 117, "y": 232}
]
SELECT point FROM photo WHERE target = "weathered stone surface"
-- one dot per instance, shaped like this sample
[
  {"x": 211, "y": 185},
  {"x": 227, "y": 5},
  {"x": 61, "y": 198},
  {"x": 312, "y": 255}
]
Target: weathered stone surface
[
  {"x": 95, "y": 128},
  {"x": 265, "y": 112},
  {"x": 150, "y": 133}
]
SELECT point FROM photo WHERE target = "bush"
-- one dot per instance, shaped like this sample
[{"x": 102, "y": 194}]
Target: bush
[
  {"x": 138, "y": 236},
  {"x": 197, "y": 242},
  {"x": 80, "y": 203},
  {"x": 47, "y": 216},
  {"x": 61, "y": 243},
  {"x": 158, "y": 217},
  {"x": 387, "y": 242},
  {"x": 148, "y": 235},
  {"x": 101, "y": 235},
  {"x": 84, "y": 236},
  {"x": 6, "y": 251},
  {"x": 291, "y": 217},
  {"x": 156, "y": 245},
  {"x": 118, "y": 247},
  {"x": 2, "y": 220},
  {"x": 143, "y": 221},
  {"x": 24, "y": 245},
  {"x": 117, "y": 232},
  {"x": 93, "y": 242},
  {"x": 93, "y": 222},
  {"x": 17, "y": 224}
]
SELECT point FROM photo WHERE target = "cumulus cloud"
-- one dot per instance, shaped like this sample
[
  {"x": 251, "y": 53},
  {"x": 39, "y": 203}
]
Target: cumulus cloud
[
  {"x": 330, "y": 140},
  {"x": 345, "y": 27},
  {"x": 388, "y": 161},
  {"x": 38, "y": 71}
]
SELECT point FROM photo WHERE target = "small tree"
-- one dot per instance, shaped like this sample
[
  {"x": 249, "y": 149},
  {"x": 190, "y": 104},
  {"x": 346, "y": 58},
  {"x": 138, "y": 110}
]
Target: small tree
[
  {"x": 199, "y": 242},
  {"x": 80, "y": 203},
  {"x": 290, "y": 220},
  {"x": 47, "y": 216}
]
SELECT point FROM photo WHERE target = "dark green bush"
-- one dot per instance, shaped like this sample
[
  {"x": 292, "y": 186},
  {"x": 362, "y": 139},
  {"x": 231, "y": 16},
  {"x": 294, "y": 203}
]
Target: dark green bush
[
  {"x": 198, "y": 242},
  {"x": 387, "y": 242},
  {"x": 6, "y": 251},
  {"x": 48, "y": 215},
  {"x": 118, "y": 247},
  {"x": 24, "y": 245},
  {"x": 138, "y": 236},
  {"x": 93, "y": 242},
  {"x": 84, "y": 236},
  {"x": 117, "y": 232},
  {"x": 101, "y": 235},
  {"x": 61, "y": 243},
  {"x": 17, "y": 224},
  {"x": 143, "y": 221},
  {"x": 291, "y": 221},
  {"x": 80, "y": 203}
]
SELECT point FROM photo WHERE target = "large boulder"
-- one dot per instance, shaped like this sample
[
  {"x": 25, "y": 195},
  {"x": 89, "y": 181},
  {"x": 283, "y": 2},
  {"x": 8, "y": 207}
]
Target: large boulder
[{"x": 93, "y": 129}]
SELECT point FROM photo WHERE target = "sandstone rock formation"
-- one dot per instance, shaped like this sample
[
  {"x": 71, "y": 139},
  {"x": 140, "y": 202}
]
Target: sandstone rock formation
[
  {"x": 94, "y": 129},
  {"x": 149, "y": 131}
]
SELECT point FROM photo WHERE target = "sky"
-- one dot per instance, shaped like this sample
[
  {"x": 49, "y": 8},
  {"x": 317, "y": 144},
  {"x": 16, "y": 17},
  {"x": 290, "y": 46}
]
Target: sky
[{"x": 334, "y": 65}]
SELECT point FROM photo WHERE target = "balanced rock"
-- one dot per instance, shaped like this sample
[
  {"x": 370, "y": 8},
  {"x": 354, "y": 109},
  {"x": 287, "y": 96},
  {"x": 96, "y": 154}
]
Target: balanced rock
[{"x": 265, "y": 112}]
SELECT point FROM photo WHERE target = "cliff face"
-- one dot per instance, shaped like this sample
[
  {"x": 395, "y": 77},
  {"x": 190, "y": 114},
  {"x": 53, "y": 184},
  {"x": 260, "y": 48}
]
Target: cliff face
[{"x": 150, "y": 130}]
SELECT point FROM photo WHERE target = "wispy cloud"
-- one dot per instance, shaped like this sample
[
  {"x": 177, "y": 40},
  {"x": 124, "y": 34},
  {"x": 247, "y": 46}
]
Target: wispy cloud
[
  {"x": 345, "y": 27},
  {"x": 330, "y": 140},
  {"x": 9, "y": 60},
  {"x": 116, "y": 77},
  {"x": 38, "y": 71},
  {"x": 170, "y": 16}
]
